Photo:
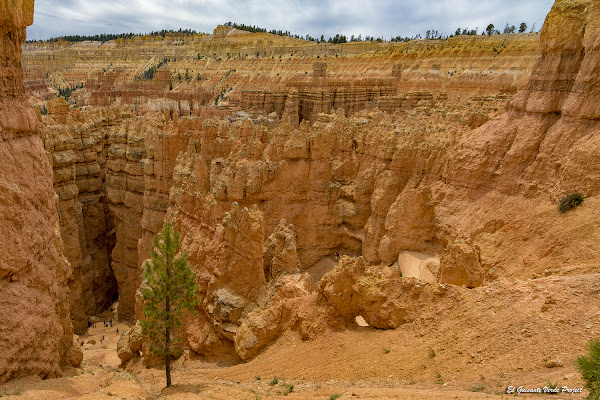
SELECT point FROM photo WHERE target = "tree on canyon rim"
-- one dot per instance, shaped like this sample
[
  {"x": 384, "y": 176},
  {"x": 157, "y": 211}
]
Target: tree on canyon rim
[{"x": 169, "y": 292}]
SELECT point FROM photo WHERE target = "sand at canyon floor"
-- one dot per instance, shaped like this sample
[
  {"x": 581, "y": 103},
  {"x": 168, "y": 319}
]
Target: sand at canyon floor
[{"x": 303, "y": 370}]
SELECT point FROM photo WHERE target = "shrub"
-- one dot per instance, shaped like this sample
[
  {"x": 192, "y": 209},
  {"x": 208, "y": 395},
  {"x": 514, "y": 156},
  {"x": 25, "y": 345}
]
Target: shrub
[
  {"x": 480, "y": 387},
  {"x": 570, "y": 201},
  {"x": 431, "y": 352},
  {"x": 274, "y": 382},
  {"x": 335, "y": 396},
  {"x": 589, "y": 367},
  {"x": 289, "y": 389},
  {"x": 552, "y": 387}
]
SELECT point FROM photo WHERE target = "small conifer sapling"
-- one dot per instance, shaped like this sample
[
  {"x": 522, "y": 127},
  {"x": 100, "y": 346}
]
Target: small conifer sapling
[{"x": 169, "y": 293}]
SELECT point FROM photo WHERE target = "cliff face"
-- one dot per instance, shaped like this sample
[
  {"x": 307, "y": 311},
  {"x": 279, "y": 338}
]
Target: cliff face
[
  {"x": 544, "y": 146},
  {"x": 36, "y": 334},
  {"x": 78, "y": 149}
]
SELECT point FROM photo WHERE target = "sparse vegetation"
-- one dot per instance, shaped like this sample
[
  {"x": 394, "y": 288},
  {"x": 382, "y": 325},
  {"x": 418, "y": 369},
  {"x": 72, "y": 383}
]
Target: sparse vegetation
[
  {"x": 14, "y": 392},
  {"x": 589, "y": 368},
  {"x": 335, "y": 396},
  {"x": 480, "y": 387},
  {"x": 288, "y": 389},
  {"x": 431, "y": 352},
  {"x": 552, "y": 387},
  {"x": 438, "y": 378},
  {"x": 273, "y": 381},
  {"x": 66, "y": 92},
  {"x": 570, "y": 201},
  {"x": 105, "y": 37},
  {"x": 149, "y": 73}
]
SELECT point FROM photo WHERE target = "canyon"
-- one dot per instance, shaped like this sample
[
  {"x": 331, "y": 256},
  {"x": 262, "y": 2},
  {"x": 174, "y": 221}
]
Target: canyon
[{"x": 433, "y": 168}]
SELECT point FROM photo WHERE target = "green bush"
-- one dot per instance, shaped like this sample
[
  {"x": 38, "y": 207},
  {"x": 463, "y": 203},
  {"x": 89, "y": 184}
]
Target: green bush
[
  {"x": 431, "y": 352},
  {"x": 289, "y": 389},
  {"x": 553, "y": 387},
  {"x": 589, "y": 367},
  {"x": 570, "y": 201},
  {"x": 480, "y": 387}
]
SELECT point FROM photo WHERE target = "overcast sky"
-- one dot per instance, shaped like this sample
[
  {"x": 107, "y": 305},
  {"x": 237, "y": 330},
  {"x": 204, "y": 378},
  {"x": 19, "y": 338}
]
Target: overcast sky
[{"x": 384, "y": 18}]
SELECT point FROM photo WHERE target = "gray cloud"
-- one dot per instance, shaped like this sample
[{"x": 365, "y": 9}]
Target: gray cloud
[{"x": 384, "y": 18}]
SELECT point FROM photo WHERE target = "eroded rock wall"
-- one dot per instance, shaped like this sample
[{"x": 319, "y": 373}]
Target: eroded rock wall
[
  {"x": 78, "y": 151},
  {"x": 36, "y": 335}
]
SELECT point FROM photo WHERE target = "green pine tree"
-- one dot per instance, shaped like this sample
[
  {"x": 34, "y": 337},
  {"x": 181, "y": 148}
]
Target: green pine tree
[
  {"x": 589, "y": 367},
  {"x": 169, "y": 293},
  {"x": 522, "y": 27}
]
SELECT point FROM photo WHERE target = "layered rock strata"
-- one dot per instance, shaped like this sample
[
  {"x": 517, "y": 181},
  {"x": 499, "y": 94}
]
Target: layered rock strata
[
  {"x": 36, "y": 336},
  {"x": 218, "y": 69},
  {"x": 79, "y": 151}
]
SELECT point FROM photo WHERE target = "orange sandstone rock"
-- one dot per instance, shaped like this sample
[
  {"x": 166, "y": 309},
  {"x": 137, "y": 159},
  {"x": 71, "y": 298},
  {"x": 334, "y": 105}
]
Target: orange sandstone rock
[{"x": 37, "y": 334}]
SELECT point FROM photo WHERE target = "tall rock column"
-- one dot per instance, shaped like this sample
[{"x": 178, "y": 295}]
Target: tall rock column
[{"x": 36, "y": 333}]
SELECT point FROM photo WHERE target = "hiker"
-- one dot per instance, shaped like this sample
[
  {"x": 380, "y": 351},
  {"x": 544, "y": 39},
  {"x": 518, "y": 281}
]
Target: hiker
[
  {"x": 337, "y": 256},
  {"x": 110, "y": 322},
  {"x": 117, "y": 330}
]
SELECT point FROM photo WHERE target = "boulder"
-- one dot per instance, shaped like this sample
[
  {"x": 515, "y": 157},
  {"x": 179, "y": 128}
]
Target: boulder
[
  {"x": 136, "y": 337},
  {"x": 461, "y": 265},
  {"x": 124, "y": 350},
  {"x": 258, "y": 329},
  {"x": 74, "y": 356},
  {"x": 375, "y": 292}
]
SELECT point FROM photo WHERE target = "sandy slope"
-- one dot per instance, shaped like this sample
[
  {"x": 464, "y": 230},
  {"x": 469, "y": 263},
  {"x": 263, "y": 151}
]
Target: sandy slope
[{"x": 504, "y": 336}]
